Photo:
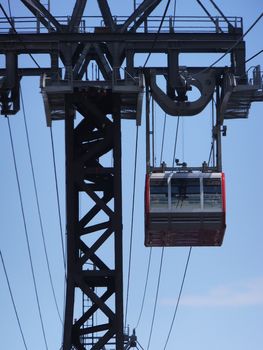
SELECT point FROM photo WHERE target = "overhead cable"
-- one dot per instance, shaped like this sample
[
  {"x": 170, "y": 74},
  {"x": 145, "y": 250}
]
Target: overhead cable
[
  {"x": 26, "y": 234},
  {"x": 145, "y": 287},
  {"x": 233, "y": 46},
  {"x": 19, "y": 37},
  {"x": 174, "y": 12},
  {"x": 57, "y": 196},
  {"x": 212, "y": 149},
  {"x": 32, "y": 169},
  {"x": 132, "y": 223},
  {"x": 153, "y": 134},
  {"x": 156, "y": 298},
  {"x": 176, "y": 139},
  {"x": 179, "y": 298},
  {"x": 13, "y": 302},
  {"x": 221, "y": 13},
  {"x": 164, "y": 129},
  {"x": 251, "y": 58},
  {"x": 38, "y": 207},
  {"x": 157, "y": 33},
  {"x": 9, "y": 8}
]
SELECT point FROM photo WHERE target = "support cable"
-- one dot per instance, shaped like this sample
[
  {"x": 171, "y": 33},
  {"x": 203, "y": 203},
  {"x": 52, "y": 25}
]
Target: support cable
[
  {"x": 9, "y": 8},
  {"x": 156, "y": 298},
  {"x": 26, "y": 235},
  {"x": 179, "y": 297},
  {"x": 153, "y": 134},
  {"x": 210, "y": 154},
  {"x": 132, "y": 224},
  {"x": 183, "y": 138},
  {"x": 176, "y": 139},
  {"x": 174, "y": 12},
  {"x": 157, "y": 33},
  {"x": 164, "y": 129},
  {"x": 251, "y": 58},
  {"x": 60, "y": 219},
  {"x": 233, "y": 46},
  {"x": 38, "y": 207},
  {"x": 221, "y": 13},
  {"x": 212, "y": 149},
  {"x": 13, "y": 302},
  {"x": 139, "y": 346},
  {"x": 12, "y": 26},
  {"x": 57, "y": 196},
  {"x": 145, "y": 287}
]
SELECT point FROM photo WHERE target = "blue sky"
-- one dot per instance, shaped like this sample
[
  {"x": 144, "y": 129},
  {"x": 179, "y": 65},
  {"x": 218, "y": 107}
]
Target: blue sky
[{"x": 222, "y": 300}]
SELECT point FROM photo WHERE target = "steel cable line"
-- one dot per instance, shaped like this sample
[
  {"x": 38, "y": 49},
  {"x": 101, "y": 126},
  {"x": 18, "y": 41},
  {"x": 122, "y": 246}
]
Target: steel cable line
[
  {"x": 174, "y": 12},
  {"x": 183, "y": 138},
  {"x": 38, "y": 207},
  {"x": 179, "y": 297},
  {"x": 145, "y": 287},
  {"x": 60, "y": 220},
  {"x": 53, "y": 153},
  {"x": 139, "y": 345},
  {"x": 233, "y": 46},
  {"x": 251, "y": 58},
  {"x": 34, "y": 180},
  {"x": 13, "y": 301},
  {"x": 157, "y": 33},
  {"x": 26, "y": 234},
  {"x": 12, "y": 26},
  {"x": 212, "y": 149},
  {"x": 164, "y": 129},
  {"x": 176, "y": 139},
  {"x": 132, "y": 224},
  {"x": 156, "y": 298},
  {"x": 57, "y": 196},
  {"x": 9, "y": 8},
  {"x": 153, "y": 133}
]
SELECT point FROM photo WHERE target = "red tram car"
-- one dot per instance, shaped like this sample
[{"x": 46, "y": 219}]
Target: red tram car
[{"x": 184, "y": 209}]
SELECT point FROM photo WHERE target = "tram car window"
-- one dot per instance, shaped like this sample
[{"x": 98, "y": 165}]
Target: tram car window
[{"x": 184, "y": 209}]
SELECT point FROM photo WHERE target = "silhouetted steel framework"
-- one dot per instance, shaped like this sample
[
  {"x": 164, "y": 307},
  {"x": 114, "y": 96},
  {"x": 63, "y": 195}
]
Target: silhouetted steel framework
[{"x": 101, "y": 102}]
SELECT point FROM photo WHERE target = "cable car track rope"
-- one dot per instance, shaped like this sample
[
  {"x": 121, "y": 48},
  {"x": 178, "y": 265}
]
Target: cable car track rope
[
  {"x": 38, "y": 207},
  {"x": 212, "y": 148},
  {"x": 26, "y": 235},
  {"x": 132, "y": 223},
  {"x": 156, "y": 298},
  {"x": 157, "y": 33},
  {"x": 58, "y": 201},
  {"x": 256, "y": 54},
  {"x": 13, "y": 302},
  {"x": 176, "y": 139},
  {"x": 145, "y": 287},
  {"x": 53, "y": 152},
  {"x": 19, "y": 37},
  {"x": 179, "y": 298},
  {"x": 34, "y": 179},
  {"x": 162, "y": 145},
  {"x": 232, "y": 47}
]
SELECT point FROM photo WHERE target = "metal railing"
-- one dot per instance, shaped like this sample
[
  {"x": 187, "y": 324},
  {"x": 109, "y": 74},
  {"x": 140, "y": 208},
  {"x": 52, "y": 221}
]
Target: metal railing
[{"x": 88, "y": 24}]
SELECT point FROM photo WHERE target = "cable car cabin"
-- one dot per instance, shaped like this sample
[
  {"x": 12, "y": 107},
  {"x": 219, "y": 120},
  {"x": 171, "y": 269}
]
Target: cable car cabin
[{"x": 184, "y": 209}]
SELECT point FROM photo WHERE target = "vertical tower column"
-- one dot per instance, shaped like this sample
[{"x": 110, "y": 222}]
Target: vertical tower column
[{"x": 94, "y": 231}]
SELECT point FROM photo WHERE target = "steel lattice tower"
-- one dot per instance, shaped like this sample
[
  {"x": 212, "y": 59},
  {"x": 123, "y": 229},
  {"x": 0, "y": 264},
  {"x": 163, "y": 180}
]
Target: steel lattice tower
[{"x": 93, "y": 109}]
